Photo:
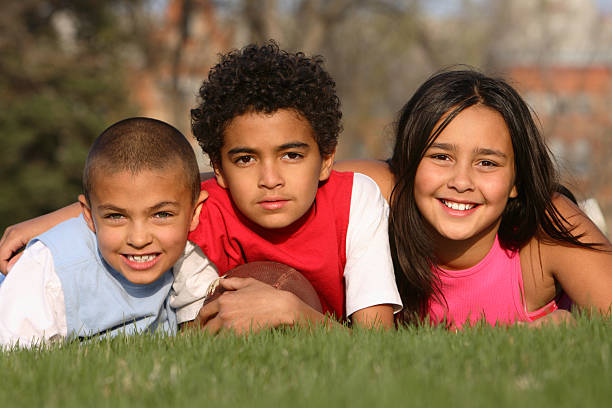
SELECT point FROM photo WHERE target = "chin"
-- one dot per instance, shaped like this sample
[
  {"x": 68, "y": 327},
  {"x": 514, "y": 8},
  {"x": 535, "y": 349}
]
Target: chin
[{"x": 140, "y": 278}]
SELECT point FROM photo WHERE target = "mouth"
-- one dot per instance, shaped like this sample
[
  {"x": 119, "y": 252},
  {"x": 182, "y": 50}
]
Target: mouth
[
  {"x": 453, "y": 205},
  {"x": 273, "y": 203},
  {"x": 140, "y": 262}
]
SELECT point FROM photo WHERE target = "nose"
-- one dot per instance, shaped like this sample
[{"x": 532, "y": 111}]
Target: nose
[
  {"x": 461, "y": 178},
  {"x": 270, "y": 176},
  {"x": 139, "y": 235}
]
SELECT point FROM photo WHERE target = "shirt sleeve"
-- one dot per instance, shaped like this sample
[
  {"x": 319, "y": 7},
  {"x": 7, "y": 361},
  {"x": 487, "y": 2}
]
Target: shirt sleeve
[
  {"x": 193, "y": 274},
  {"x": 368, "y": 273},
  {"x": 32, "y": 308}
]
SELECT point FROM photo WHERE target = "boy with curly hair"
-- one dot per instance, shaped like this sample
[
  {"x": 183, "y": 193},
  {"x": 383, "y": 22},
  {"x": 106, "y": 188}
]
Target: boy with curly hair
[{"x": 269, "y": 121}]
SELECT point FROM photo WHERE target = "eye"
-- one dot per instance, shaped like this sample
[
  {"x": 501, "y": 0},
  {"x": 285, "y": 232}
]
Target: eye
[
  {"x": 163, "y": 214},
  {"x": 487, "y": 163},
  {"x": 439, "y": 156},
  {"x": 243, "y": 160},
  {"x": 113, "y": 216},
  {"x": 293, "y": 156}
]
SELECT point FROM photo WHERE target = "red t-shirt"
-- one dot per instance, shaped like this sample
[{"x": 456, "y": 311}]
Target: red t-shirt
[{"x": 315, "y": 245}]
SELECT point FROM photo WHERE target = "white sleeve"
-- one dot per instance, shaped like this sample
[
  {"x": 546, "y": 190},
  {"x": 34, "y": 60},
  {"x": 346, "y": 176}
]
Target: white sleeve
[
  {"x": 368, "y": 273},
  {"x": 32, "y": 307},
  {"x": 193, "y": 273}
]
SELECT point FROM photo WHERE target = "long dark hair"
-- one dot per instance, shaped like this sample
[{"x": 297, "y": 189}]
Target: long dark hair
[{"x": 532, "y": 211}]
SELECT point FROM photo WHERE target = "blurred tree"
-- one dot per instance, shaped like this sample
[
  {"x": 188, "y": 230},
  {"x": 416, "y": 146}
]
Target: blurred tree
[{"x": 60, "y": 85}]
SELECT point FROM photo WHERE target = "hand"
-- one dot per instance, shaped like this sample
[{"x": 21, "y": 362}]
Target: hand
[
  {"x": 250, "y": 305},
  {"x": 557, "y": 317},
  {"x": 15, "y": 237}
]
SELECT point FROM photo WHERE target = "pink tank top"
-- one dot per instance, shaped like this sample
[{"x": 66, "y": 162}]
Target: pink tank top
[{"x": 491, "y": 290}]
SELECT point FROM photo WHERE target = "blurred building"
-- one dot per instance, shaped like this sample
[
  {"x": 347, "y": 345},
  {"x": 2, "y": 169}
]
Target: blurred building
[{"x": 564, "y": 71}]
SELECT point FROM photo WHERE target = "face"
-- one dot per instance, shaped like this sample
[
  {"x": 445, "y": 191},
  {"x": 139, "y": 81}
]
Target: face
[
  {"x": 272, "y": 166},
  {"x": 141, "y": 220},
  {"x": 465, "y": 178}
]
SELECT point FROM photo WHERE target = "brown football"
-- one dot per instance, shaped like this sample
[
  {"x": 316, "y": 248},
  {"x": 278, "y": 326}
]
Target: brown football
[{"x": 277, "y": 275}]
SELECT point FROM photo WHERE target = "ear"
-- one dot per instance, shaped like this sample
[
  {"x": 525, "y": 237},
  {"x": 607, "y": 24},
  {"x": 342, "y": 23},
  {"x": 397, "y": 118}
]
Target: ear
[
  {"x": 326, "y": 165},
  {"x": 195, "y": 220},
  {"x": 513, "y": 192},
  {"x": 219, "y": 175},
  {"x": 86, "y": 210}
]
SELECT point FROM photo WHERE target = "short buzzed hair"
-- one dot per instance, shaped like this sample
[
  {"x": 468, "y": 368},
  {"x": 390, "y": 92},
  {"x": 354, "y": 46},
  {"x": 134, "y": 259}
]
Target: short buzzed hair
[{"x": 137, "y": 144}]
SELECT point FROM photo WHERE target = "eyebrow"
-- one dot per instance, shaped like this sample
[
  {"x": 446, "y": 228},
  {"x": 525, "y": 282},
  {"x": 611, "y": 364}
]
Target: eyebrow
[
  {"x": 479, "y": 151},
  {"x": 110, "y": 207},
  {"x": 290, "y": 145},
  {"x": 490, "y": 152}
]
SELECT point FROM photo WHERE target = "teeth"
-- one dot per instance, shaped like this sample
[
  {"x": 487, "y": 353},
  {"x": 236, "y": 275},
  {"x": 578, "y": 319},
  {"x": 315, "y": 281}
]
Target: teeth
[
  {"x": 140, "y": 258},
  {"x": 458, "y": 206}
]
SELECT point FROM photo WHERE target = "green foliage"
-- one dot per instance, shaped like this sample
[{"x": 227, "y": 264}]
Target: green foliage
[
  {"x": 479, "y": 367},
  {"x": 57, "y": 92}
]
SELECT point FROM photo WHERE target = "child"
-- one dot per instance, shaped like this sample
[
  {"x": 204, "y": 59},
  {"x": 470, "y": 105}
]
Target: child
[
  {"x": 269, "y": 121},
  {"x": 110, "y": 270},
  {"x": 473, "y": 224}
]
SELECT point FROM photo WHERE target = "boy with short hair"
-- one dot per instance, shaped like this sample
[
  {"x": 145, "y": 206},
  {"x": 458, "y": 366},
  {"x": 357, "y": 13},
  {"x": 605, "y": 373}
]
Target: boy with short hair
[
  {"x": 269, "y": 121},
  {"x": 110, "y": 270}
]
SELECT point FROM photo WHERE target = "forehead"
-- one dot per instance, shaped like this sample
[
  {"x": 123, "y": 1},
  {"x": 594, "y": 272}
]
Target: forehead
[
  {"x": 479, "y": 127},
  {"x": 262, "y": 130},
  {"x": 143, "y": 188}
]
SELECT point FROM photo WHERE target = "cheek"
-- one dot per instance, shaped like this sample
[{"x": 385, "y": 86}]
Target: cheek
[
  {"x": 174, "y": 236},
  {"x": 240, "y": 186},
  {"x": 110, "y": 240},
  {"x": 425, "y": 180},
  {"x": 496, "y": 189},
  {"x": 308, "y": 184}
]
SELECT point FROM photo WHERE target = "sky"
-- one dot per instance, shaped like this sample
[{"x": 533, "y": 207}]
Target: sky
[{"x": 449, "y": 6}]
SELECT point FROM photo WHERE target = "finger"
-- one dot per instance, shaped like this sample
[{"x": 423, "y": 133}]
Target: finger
[
  {"x": 13, "y": 261},
  {"x": 213, "y": 325},
  {"x": 236, "y": 283},
  {"x": 207, "y": 312}
]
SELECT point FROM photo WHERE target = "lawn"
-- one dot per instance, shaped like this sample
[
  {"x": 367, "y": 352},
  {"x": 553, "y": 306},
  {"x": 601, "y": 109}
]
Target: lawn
[{"x": 420, "y": 367}]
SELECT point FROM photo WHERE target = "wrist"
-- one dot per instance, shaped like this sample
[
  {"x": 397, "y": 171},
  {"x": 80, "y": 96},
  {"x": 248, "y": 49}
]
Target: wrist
[{"x": 300, "y": 313}]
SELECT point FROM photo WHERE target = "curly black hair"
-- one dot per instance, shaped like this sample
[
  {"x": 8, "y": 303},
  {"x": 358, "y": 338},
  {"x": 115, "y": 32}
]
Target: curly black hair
[{"x": 265, "y": 79}]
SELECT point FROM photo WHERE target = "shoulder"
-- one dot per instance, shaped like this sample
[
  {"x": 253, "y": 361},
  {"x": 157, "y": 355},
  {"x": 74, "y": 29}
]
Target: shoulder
[
  {"x": 585, "y": 274},
  {"x": 70, "y": 239},
  {"x": 377, "y": 170},
  {"x": 365, "y": 189},
  {"x": 578, "y": 222},
  {"x": 575, "y": 220}
]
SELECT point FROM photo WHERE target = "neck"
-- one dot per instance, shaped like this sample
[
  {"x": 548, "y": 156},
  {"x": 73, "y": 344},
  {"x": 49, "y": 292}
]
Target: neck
[{"x": 459, "y": 255}]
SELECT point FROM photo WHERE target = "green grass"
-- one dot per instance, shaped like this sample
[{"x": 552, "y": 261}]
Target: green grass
[{"x": 420, "y": 367}]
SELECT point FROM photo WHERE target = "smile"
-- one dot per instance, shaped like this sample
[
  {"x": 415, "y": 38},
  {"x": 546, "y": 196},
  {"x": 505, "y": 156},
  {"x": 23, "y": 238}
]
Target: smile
[
  {"x": 140, "y": 258},
  {"x": 141, "y": 262},
  {"x": 458, "y": 206}
]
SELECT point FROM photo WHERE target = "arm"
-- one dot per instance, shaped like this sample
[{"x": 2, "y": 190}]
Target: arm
[
  {"x": 17, "y": 236},
  {"x": 584, "y": 274},
  {"x": 371, "y": 292},
  {"x": 32, "y": 307}
]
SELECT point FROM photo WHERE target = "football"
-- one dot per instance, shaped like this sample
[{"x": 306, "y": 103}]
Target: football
[{"x": 277, "y": 275}]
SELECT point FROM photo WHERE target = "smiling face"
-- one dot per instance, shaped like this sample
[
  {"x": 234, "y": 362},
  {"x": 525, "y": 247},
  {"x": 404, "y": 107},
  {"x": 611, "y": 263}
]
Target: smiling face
[
  {"x": 141, "y": 220},
  {"x": 272, "y": 166},
  {"x": 465, "y": 178}
]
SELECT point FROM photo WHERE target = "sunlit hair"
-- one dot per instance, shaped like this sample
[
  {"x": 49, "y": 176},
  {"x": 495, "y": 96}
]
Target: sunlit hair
[
  {"x": 137, "y": 144},
  {"x": 264, "y": 79},
  {"x": 444, "y": 96}
]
